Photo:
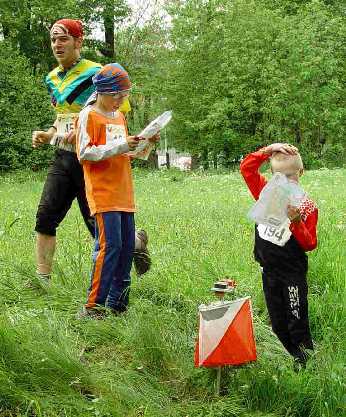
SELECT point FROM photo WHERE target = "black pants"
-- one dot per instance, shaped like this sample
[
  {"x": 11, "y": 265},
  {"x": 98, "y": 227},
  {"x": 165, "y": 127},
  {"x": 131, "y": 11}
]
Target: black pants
[
  {"x": 64, "y": 183},
  {"x": 287, "y": 303}
]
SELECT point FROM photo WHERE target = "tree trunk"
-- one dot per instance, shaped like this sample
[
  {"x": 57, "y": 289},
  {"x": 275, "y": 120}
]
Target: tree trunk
[
  {"x": 5, "y": 30},
  {"x": 147, "y": 104},
  {"x": 108, "y": 22},
  {"x": 153, "y": 160},
  {"x": 195, "y": 161},
  {"x": 298, "y": 133}
]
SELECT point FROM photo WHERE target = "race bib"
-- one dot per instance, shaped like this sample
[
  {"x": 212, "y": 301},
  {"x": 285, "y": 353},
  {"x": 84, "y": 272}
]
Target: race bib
[
  {"x": 115, "y": 133},
  {"x": 65, "y": 124},
  {"x": 277, "y": 235}
]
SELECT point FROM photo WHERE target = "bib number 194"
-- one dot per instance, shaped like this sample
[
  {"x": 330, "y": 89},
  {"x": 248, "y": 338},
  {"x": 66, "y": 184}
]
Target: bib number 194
[{"x": 277, "y": 235}]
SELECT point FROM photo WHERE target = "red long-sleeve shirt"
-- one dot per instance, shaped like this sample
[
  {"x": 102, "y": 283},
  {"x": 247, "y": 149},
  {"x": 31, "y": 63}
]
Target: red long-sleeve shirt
[{"x": 303, "y": 231}]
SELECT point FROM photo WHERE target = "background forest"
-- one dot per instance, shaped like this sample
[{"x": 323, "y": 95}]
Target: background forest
[{"x": 237, "y": 74}]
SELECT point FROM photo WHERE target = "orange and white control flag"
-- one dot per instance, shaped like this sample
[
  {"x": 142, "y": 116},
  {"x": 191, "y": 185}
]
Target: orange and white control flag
[{"x": 226, "y": 335}]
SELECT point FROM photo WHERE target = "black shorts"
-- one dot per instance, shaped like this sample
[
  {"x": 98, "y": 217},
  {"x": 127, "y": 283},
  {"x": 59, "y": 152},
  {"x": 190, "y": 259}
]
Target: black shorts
[{"x": 64, "y": 183}]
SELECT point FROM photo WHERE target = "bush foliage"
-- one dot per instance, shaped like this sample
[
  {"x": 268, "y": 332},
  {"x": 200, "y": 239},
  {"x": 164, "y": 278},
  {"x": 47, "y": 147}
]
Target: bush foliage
[
  {"x": 24, "y": 106},
  {"x": 246, "y": 74},
  {"x": 237, "y": 75}
]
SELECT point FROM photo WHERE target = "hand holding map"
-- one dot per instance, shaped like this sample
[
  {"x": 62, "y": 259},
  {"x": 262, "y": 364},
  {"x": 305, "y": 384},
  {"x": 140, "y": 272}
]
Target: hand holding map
[{"x": 144, "y": 148}]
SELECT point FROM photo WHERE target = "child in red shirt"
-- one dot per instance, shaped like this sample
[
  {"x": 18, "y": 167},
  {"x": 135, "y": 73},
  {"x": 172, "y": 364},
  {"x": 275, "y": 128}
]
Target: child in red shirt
[{"x": 284, "y": 264}]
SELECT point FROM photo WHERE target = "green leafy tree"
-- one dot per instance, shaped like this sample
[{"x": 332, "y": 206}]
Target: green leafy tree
[
  {"x": 26, "y": 23},
  {"x": 24, "y": 106},
  {"x": 242, "y": 74}
]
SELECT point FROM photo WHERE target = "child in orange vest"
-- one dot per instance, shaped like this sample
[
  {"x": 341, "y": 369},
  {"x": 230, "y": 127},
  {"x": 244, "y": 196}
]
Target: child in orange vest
[{"x": 102, "y": 147}]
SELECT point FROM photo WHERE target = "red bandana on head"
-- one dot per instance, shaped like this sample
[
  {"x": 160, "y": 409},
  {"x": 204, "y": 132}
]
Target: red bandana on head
[{"x": 67, "y": 27}]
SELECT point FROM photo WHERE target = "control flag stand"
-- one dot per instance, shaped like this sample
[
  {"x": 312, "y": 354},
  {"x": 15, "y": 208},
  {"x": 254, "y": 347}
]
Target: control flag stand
[{"x": 226, "y": 335}]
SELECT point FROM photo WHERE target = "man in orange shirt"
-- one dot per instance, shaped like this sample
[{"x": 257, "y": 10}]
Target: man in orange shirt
[{"x": 102, "y": 148}]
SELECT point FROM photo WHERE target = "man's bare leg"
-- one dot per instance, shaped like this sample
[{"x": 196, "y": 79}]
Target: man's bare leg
[{"x": 45, "y": 248}]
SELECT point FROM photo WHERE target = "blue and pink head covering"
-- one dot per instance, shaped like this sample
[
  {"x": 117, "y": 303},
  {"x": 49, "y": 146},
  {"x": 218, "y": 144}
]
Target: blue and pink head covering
[{"x": 111, "y": 79}]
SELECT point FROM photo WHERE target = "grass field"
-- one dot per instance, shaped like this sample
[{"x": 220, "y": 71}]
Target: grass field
[{"x": 141, "y": 364}]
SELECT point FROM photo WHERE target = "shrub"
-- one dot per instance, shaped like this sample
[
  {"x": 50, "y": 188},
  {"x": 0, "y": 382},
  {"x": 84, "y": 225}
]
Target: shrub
[
  {"x": 24, "y": 107},
  {"x": 333, "y": 155}
]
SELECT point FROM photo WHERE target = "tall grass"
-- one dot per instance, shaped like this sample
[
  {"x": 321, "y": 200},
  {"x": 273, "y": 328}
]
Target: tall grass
[{"x": 141, "y": 364}]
